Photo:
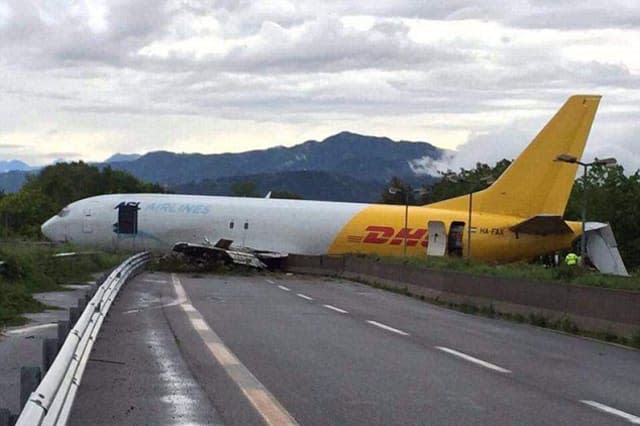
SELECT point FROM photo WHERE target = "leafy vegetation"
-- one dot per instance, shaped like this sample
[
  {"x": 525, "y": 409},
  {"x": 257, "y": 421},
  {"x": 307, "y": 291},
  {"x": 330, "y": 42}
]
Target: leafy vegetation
[
  {"x": 30, "y": 268},
  {"x": 612, "y": 198},
  {"x": 44, "y": 194},
  {"x": 244, "y": 189}
]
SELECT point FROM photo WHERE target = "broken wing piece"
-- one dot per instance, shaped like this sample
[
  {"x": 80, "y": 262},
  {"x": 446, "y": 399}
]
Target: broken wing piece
[
  {"x": 222, "y": 250},
  {"x": 217, "y": 251},
  {"x": 602, "y": 249}
]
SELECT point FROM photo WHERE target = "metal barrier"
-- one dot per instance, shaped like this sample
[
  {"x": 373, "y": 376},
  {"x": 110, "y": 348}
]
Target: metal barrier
[{"x": 51, "y": 402}]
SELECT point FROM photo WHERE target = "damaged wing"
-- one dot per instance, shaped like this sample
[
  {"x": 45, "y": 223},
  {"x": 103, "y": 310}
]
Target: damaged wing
[{"x": 222, "y": 250}]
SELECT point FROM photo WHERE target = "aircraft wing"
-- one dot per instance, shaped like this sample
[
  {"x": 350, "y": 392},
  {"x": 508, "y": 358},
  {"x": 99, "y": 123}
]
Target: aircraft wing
[
  {"x": 542, "y": 225},
  {"x": 222, "y": 250}
]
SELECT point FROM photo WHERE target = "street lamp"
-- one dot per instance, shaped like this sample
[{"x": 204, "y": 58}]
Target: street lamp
[
  {"x": 454, "y": 178},
  {"x": 607, "y": 162},
  {"x": 395, "y": 190}
]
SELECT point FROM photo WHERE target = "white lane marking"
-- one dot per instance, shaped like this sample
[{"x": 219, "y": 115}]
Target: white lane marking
[
  {"x": 388, "y": 328},
  {"x": 182, "y": 295},
  {"x": 199, "y": 324},
  {"x": 271, "y": 411},
  {"x": 304, "y": 296},
  {"x": 270, "y": 282},
  {"x": 188, "y": 307},
  {"x": 281, "y": 287},
  {"x": 630, "y": 417},
  {"x": 333, "y": 308},
  {"x": 31, "y": 328},
  {"x": 150, "y": 280},
  {"x": 477, "y": 361}
]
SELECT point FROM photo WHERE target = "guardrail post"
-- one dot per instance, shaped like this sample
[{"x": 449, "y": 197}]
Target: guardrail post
[
  {"x": 5, "y": 417},
  {"x": 49, "y": 352},
  {"x": 66, "y": 365},
  {"x": 29, "y": 380},
  {"x": 63, "y": 331},
  {"x": 74, "y": 314}
]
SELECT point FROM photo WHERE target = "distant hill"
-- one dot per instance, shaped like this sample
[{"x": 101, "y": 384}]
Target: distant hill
[
  {"x": 11, "y": 165},
  {"x": 365, "y": 158},
  {"x": 310, "y": 185},
  {"x": 119, "y": 158},
  {"x": 342, "y": 167},
  {"x": 12, "y": 181}
]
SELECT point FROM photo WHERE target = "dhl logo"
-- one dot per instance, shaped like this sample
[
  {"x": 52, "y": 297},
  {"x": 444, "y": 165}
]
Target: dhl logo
[{"x": 387, "y": 235}]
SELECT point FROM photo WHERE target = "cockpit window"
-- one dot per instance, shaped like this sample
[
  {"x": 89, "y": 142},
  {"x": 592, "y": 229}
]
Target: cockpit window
[{"x": 63, "y": 212}]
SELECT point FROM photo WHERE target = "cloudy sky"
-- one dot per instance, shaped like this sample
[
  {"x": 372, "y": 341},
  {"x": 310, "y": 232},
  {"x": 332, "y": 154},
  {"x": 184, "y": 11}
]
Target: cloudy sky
[{"x": 87, "y": 78}]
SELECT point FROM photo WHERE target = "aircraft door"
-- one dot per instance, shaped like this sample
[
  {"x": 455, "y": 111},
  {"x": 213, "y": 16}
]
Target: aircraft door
[
  {"x": 456, "y": 235},
  {"x": 245, "y": 231},
  {"x": 126, "y": 228},
  {"x": 238, "y": 231},
  {"x": 437, "y": 239}
]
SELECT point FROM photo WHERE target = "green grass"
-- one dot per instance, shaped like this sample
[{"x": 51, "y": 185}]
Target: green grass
[
  {"x": 31, "y": 269},
  {"x": 534, "y": 272}
]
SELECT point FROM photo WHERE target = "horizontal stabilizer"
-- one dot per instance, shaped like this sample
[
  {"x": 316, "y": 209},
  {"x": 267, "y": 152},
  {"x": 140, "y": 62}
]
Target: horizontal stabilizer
[{"x": 542, "y": 225}]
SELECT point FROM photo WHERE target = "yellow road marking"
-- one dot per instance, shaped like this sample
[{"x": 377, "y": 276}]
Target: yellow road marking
[{"x": 271, "y": 411}]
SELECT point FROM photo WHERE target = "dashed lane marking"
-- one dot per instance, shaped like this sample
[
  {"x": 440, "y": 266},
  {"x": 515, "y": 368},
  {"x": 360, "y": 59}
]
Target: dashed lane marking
[
  {"x": 388, "y": 328},
  {"x": 304, "y": 296},
  {"x": 270, "y": 281},
  {"x": 151, "y": 280},
  {"x": 333, "y": 308},
  {"x": 610, "y": 410},
  {"x": 476, "y": 361},
  {"x": 271, "y": 411},
  {"x": 281, "y": 287}
]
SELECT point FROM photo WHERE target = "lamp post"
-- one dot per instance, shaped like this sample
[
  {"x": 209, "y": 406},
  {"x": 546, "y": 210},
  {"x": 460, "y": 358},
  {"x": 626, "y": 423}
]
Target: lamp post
[
  {"x": 395, "y": 190},
  {"x": 454, "y": 178},
  {"x": 607, "y": 162}
]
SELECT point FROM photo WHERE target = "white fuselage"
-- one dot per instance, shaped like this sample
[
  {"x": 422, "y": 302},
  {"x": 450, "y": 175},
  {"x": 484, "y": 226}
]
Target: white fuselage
[{"x": 289, "y": 226}]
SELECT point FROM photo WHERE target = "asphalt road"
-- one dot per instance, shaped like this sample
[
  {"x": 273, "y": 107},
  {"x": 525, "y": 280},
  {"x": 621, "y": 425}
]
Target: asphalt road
[{"x": 276, "y": 348}]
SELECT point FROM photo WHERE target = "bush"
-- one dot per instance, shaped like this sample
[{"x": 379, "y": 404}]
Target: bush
[{"x": 30, "y": 269}]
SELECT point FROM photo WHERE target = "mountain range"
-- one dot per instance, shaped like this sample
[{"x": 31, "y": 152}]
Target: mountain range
[
  {"x": 11, "y": 165},
  {"x": 343, "y": 167}
]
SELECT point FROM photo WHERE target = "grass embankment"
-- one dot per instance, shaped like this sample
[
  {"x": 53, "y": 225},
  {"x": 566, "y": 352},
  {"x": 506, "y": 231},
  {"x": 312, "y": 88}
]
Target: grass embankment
[
  {"x": 30, "y": 269},
  {"x": 561, "y": 274}
]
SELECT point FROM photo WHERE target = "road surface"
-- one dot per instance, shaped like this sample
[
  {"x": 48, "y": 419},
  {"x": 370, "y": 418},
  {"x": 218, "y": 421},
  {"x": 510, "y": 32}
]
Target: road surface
[{"x": 256, "y": 349}]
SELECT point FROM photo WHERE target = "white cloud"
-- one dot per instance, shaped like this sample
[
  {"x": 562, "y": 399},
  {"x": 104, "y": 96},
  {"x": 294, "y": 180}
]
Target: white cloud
[{"x": 230, "y": 75}]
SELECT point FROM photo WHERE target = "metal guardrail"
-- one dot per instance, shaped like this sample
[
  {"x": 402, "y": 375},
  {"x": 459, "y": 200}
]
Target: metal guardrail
[{"x": 51, "y": 402}]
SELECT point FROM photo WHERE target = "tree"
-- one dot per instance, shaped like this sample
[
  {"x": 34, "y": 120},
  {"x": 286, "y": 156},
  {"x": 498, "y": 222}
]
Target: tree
[
  {"x": 244, "y": 189},
  {"x": 400, "y": 191},
  {"x": 612, "y": 198},
  {"x": 44, "y": 194}
]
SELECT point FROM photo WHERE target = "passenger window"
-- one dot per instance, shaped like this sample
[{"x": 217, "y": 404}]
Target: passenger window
[
  {"x": 231, "y": 225},
  {"x": 246, "y": 225}
]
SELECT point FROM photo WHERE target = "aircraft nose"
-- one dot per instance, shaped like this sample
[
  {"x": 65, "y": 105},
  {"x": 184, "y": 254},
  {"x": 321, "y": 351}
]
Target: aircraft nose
[{"x": 53, "y": 229}]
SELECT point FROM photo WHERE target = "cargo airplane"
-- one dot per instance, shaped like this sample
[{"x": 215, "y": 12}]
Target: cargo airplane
[{"x": 518, "y": 217}]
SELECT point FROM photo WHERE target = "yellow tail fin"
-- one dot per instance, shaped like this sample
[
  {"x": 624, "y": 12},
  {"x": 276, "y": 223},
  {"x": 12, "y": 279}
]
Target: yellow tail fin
[{"x": 534, "y": 183}]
